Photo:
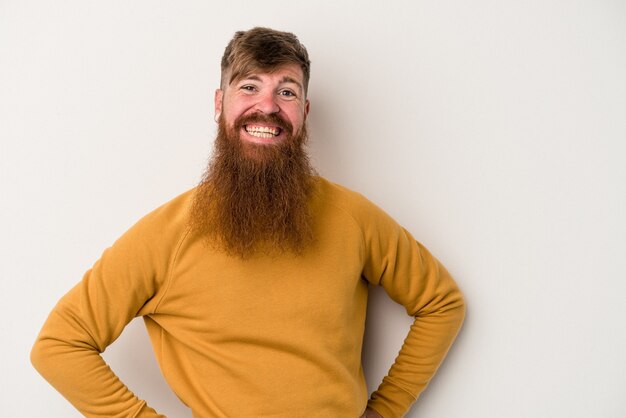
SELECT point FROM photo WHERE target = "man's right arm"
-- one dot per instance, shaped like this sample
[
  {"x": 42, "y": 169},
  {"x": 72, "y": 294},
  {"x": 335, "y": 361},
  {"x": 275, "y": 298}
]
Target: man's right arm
[
  {"x": 83, "y": 378},
  {"x": 126, "y": 282},
  {"x": 67, "y": 354}
]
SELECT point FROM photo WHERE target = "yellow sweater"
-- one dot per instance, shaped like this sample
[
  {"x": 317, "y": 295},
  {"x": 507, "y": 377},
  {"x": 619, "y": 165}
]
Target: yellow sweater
[{"x": 272, "y": 337}]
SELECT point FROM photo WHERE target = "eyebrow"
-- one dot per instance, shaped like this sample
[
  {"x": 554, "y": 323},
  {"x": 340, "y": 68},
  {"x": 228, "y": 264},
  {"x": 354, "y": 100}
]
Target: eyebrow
[{"x": 285, "y": 79}]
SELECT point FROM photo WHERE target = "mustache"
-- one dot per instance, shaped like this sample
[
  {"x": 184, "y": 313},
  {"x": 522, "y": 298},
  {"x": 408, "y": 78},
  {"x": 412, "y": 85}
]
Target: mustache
[{"x": 266, "y": 119}]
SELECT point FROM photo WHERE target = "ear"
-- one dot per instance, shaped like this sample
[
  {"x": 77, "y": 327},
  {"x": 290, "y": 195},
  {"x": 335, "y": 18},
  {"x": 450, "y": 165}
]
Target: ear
[
  {"x": 307, "y": 105},
  {"x": 217, "y": 100}
]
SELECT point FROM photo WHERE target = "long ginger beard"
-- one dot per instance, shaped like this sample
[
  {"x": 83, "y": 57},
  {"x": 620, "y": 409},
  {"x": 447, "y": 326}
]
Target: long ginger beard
[{"x": 255, "y": 197}]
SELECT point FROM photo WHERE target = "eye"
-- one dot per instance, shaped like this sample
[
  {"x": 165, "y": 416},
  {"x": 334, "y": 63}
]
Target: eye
[
  {"x": 248, "y": 88},
  {"x": 287, "y": 93}
]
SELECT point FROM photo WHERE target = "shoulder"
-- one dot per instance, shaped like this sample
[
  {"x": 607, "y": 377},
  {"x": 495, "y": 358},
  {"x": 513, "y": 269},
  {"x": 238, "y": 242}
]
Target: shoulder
[
  {"x": 173, "y": 211},
  {"x": 169, "y": 220},
  {"x": 364, "y": 212},
  {"x": 335, "y": 194}
]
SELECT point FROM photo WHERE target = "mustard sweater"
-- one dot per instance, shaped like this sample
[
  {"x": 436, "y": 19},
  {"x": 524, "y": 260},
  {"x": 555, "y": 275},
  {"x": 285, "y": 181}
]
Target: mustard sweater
[{"x": 268, "y": 336}]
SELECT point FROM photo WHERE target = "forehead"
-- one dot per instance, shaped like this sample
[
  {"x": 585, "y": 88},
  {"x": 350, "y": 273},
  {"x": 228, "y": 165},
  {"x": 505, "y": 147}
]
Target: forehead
[{"x": 286, "y": 73}]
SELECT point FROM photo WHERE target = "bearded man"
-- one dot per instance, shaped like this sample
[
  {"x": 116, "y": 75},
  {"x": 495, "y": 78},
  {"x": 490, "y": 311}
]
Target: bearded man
[{"x": 253, "y": 285}]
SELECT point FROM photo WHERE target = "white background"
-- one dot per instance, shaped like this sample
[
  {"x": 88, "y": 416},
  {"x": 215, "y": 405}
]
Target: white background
[{"x": 495, "y": 131}]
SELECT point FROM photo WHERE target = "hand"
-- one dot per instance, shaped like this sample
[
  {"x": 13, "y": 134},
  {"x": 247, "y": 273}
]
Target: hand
[{"x": 370, "y": 413}]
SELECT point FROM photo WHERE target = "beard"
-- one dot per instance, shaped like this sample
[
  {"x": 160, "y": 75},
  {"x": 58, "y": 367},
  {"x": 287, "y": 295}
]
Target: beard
[{"x": 255, "y": 197}]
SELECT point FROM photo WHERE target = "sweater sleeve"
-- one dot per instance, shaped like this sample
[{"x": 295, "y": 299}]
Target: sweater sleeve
[
  {"x": 412, "y": 277},
  {"x": 126, "y": 282}
]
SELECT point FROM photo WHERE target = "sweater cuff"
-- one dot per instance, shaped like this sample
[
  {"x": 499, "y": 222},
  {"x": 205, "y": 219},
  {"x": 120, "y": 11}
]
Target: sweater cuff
[{"x": 390, "y": 401}]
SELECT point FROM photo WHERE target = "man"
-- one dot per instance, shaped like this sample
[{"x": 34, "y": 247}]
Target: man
[{"x": 253, "y": 286}]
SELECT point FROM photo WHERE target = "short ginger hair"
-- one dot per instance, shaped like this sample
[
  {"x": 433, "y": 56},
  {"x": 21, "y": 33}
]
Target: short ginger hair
[{"x": 263, "y": 49}]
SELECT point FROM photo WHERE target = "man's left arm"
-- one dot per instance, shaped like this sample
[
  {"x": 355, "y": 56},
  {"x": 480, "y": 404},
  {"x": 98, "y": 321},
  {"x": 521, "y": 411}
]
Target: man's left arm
[{"x": 414, "y": 278}]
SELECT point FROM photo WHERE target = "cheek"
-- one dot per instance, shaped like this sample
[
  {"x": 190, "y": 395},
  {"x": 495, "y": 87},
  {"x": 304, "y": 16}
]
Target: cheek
[
  {"x": 232, "y": 114},
  {"x": 233, "y": 107},
  {"x": 296, "y": 117}
]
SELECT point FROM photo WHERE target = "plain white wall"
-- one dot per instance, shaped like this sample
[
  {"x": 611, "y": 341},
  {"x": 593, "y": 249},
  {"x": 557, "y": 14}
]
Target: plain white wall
[{"x": 494, "y": 130}]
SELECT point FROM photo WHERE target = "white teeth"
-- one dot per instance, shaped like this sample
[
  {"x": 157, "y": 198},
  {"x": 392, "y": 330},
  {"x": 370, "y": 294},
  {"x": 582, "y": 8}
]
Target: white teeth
[
  {"x": 261, "y": 134},
  {"x": 262, "y": 131}
]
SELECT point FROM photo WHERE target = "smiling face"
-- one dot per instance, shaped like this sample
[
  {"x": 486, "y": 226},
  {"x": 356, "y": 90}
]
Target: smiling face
[
  {"x": 254, "y": 195},
  {"x": 264, "y": 108}
]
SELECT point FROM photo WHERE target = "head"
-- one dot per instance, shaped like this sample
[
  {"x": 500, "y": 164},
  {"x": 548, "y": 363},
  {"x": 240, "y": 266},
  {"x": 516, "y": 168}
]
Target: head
[
  {"x": 265, "y": 76},
  {"x": 265, "y": 50},
  {"x": 254, "y": 194}
]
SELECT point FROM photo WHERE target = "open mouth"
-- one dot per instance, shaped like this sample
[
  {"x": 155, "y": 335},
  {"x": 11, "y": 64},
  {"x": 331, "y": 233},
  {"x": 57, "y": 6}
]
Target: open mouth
[{"x": 265, "y": 132}]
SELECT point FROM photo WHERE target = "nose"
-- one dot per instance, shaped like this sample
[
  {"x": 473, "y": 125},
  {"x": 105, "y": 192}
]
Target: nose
[{"x": 267, "y": 103}]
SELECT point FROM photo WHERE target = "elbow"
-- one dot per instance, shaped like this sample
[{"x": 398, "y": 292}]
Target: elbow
[
  {"x": 459, "y": 307},
  {"x": 455, "y": 309},
  {"x": 48, "y": 356},
  {"x": 40, "y": 356},
  {"x": 462, "y": 305}
]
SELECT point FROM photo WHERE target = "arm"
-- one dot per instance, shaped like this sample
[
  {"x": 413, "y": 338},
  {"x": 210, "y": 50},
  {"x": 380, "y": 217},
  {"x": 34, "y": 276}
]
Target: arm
[
  {"x": 370, "y": 413},
  {"x": 123, "y": 284},
  {"x": 414, "y": 278}
]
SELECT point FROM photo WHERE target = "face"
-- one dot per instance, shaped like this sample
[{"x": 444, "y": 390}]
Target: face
[
  {"x": 255, "y": 193},
  {"x": 264, "y": 107}
]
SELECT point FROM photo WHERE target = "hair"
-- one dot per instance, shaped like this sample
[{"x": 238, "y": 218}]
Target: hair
[
  {"x": 263, "y": 49},
  {"x": 255, "y": 199}
]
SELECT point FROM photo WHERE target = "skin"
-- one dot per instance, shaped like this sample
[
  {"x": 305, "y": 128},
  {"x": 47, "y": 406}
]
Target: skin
[{"x": 280, "y": 92}]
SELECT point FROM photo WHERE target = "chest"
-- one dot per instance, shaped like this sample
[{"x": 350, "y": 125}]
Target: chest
[{"x": 215, "y": 294}]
